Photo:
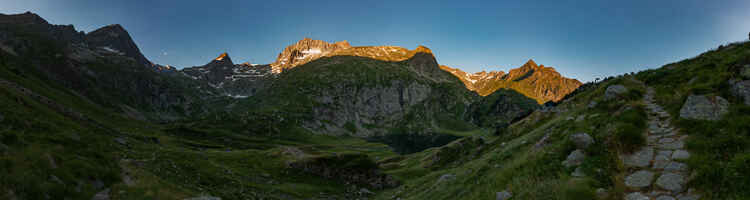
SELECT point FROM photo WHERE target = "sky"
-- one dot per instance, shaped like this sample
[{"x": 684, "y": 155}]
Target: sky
[{"x": 582, "y": 39}]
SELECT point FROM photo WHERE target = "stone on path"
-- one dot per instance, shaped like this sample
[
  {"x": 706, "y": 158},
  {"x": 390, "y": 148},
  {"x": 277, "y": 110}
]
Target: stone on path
[
  {"x": 704, "y": 107},
  {"x": 680, "y": 154},
  {"x": 662, "y": 159},
  {"x": 639, "y": 179},
  {"x": 671, "y": 181},
  {"x": 675, "y": 166},
  {"x": 636, "y": 196},
  {"x": 640, "y": 158},
  {"x": 679, "y": 144}
]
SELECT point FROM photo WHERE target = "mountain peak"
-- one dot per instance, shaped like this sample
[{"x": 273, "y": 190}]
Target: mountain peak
[
  {"x": 530, "y": 63},
  {"x": 546, "y": 83},
  {"x": 222, "y": 56},
  {"x": 22, "y": 19},
  {"x": 423, "y": 49}
]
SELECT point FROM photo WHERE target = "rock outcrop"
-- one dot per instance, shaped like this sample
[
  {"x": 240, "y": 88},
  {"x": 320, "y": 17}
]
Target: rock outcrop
[
  {"x": 702, "y": 107},
  {"x": 613, "y": 91},
  {"x": 305, "y": 51},
  {"x": 741, "y": 89},
  {"x": 537, "y": 82}
]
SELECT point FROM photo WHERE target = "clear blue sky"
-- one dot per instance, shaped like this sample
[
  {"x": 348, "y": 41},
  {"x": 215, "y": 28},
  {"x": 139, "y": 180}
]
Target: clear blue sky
[{"x": 580, "y": 38}]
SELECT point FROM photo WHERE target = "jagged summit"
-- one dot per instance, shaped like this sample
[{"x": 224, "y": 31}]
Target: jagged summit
[
  {"x": 223, "y": 57},
  {"x": 26, "y": 18},
  {"x": 116, "y": 39},
  {"x": 535, "y": 81}
]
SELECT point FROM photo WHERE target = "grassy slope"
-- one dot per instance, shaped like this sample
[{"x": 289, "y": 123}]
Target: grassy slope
[{"x": 510, "y": 161}]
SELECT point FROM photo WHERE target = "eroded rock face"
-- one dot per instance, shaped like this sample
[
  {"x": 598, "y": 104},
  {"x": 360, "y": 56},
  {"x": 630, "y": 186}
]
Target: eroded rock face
[
  {"x": 702, "y": 107},
  {"x": 343, "y": 104},
  {"x": 305, "y": 51}
]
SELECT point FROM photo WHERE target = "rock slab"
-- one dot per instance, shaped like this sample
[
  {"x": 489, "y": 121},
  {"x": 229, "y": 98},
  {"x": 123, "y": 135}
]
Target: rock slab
[{"x": 702, "y": 107}]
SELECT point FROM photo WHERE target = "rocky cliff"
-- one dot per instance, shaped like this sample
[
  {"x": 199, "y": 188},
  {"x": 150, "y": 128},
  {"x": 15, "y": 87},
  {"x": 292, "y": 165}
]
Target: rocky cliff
[
  {"x": 535, "y": 81},
  {"x": 105, "y": 66}
]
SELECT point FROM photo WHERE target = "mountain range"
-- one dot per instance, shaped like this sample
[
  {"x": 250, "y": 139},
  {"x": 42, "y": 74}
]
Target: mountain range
[{"x": 88, "y": 116}]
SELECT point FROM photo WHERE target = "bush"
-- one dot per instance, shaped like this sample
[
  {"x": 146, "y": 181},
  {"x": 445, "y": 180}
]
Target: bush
[{"x": 630, "y": 137}]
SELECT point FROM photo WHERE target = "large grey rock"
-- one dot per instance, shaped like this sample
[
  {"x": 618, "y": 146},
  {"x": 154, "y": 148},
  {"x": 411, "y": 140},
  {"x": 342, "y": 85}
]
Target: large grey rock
[
  {"x": 636, "y": 196},
  {"x": 640, "y": 158},
  {"x": 613, "y": 91},
  {"x": 504, "y": 195},
  {"x": 582, "y": 140},
  {"x": 671, "y": 181},
  {"x": 703, "y": 107},
  {"x": 575, "y": 158},
  {"x": 741, "y": 89},
  {"x": 639, "y": 179}
]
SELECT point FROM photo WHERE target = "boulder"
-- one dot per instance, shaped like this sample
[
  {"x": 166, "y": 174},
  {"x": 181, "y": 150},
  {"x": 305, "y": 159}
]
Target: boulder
[
  {"x": 613, "y": 91},
  {"x": 702, "y": 107},
  {"x": 741, "y": 89},
  {"x": 575, "y": 158},
  {"x": 582, "y": 140},
  {"x": 504, "y": 195}
]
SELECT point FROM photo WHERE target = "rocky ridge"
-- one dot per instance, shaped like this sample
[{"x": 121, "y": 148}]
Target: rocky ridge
[
  {"x": 535, "y": 81},
  {"x": 236, "y": 80}
]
